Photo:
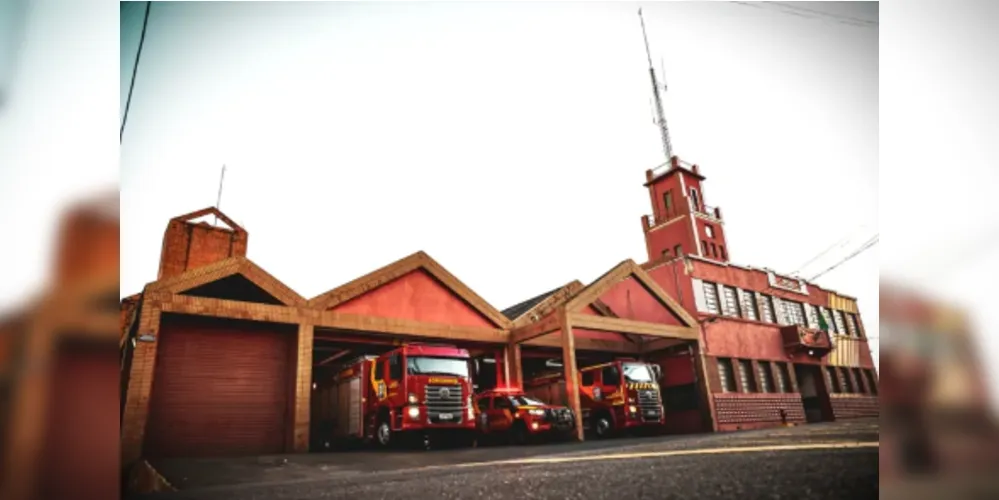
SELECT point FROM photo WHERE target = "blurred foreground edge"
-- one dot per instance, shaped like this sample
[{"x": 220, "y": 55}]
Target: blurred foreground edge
[
  {"x": 939, "y": 434},
  {"x": 59, "y": 368}
]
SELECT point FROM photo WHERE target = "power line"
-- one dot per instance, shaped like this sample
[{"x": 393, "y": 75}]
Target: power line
[
  {"x": 810, "y": 13},
  {"x": 842, "y": 242},
  {"x": 135, "y": 69},
  {"x": 827, "y": 14},
  {"x": 870, "y": 243}
]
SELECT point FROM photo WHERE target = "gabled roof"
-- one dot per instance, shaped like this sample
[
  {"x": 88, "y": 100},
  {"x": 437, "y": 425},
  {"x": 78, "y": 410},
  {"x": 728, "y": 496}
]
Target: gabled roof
[
  {"x": 543, "y": 301},
  {"x": 627, "y": 269},
  {"x": 222, "y": 269},
  {"x": 517, "y": 310},
  {"x": 417, "y": 261}
]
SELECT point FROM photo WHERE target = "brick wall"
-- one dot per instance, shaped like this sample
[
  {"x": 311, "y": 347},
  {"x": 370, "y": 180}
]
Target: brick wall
[
  {"x": 742, "y": 411},
  {"x": 854, "y": 406},
  {"x": 189, "y": 246}
]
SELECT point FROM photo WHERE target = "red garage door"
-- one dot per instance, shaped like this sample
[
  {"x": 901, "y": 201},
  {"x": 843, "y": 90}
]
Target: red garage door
[{"x": 220, "y": 388}]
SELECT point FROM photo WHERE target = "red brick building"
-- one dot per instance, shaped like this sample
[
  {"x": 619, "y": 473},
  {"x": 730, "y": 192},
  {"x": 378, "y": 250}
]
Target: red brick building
[{"x": 767, "y": 358}]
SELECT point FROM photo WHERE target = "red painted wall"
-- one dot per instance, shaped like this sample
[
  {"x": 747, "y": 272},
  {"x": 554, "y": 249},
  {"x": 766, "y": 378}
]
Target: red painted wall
[
  {"x": 596, "y": 335},
  {"x": 630, "y": 300},
  {"x": 666, "y": 237},
  {"x": 589, "y": 310},
  {"x": 743, "y": 339},
  {"x": 672, "y": 278},
  {"x": 719, "y": 239},
  {"x": 416, "y": 296}
]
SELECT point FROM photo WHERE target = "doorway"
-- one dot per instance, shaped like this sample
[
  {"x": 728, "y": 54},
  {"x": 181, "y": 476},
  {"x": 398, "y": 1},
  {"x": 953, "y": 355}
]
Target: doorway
[{"x": 814, "y": 393}]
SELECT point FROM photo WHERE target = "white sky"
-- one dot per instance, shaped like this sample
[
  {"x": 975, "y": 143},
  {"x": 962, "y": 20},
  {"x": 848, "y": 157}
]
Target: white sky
[{"x": 509, "y": 141}]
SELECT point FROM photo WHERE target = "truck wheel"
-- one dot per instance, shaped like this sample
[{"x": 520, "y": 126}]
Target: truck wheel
[
  {"x": 602, "y": 426},
  {"x": 383, "y": 433}
]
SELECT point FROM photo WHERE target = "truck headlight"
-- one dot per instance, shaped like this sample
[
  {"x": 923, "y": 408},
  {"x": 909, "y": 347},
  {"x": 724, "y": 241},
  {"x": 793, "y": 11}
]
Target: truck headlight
[
  {"x": 471, "y": 409},
  {"x": 633, "y": 409},
  {"x": 537, "y": 413},
  {"x": 413, "y": 399},
  {"x": 631, "y": 399},
  {"x": 413, "y": 412}
]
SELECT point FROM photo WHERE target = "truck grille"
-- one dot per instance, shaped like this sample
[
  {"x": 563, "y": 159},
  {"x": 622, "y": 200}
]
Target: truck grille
[
  {"x": 649, "y": 404},
  {"x": 445, "y": 404},
  {"x": 560, "y": 417}
]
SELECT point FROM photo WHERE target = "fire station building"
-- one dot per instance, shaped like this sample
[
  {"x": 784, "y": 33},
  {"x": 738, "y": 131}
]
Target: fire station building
[{"x": 219, "y": 357}]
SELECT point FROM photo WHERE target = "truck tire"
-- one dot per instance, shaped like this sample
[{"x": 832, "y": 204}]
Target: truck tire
[
  {"x": 383, "y": 433},
  {"x": 603, "y": 426}
]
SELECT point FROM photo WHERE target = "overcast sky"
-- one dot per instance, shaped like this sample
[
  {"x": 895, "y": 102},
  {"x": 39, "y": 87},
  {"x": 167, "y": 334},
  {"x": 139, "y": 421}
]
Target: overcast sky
[{"x": 509, "y": 141}]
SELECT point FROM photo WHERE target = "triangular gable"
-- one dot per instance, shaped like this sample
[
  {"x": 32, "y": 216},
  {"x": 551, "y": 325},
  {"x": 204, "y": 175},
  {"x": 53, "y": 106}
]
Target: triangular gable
[
  {"x": 210, "y": 211},
  {"x": 415, "y": 265},
  {"x": 647, "y": 289},
  {"x": 213, "y": 280}
]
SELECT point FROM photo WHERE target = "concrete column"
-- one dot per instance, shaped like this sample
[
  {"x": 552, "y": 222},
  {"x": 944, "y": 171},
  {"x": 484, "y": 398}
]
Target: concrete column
[
  {"x": 571, "y": 374},
  {"x": 514, "y": 370}
]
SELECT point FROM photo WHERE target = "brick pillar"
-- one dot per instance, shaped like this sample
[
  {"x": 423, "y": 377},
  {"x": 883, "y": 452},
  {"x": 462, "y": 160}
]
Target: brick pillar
[
  {"x": 707, "y": 377},
  {"x": 140, "y": 385},
  {"x": 571, "y": 373},
  {"x": 303, "y": 390}
]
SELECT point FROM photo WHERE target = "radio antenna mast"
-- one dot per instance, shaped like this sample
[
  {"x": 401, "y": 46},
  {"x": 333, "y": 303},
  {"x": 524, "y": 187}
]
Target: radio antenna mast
[{"x": 660, "y": 115}]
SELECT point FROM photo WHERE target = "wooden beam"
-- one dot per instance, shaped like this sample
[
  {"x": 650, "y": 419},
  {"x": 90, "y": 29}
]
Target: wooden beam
[
  {"x": 534, "y": 330},
  {"x": 232, "y": 309},
  {"x": 583, "y": 344},
  {"x": 600, "y": 286},
  {"x": 515, "y": 367},
  {"x": 661, "y": 343},
  {"x": 570, "y": 373},
  {"x": 635, "y": 327},
  {"x": 548, "y": 305},
  {"x": 410, "y": 328},
  {"x": 334, "y": 357}
]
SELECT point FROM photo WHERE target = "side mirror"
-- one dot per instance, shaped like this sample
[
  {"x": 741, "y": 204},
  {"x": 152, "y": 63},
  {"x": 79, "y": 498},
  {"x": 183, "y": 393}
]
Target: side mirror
[{"x": 657, "y": 371}]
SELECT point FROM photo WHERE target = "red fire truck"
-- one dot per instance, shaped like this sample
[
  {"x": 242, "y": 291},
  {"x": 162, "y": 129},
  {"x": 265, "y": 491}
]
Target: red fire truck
[
  {"x": 511, "y": 413},
  {"x": 616, "y": 396},
  {"x": 414, "y": 391}
]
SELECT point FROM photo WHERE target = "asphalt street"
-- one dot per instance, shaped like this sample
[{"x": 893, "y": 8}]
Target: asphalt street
[{"x": 815, "y": 461}]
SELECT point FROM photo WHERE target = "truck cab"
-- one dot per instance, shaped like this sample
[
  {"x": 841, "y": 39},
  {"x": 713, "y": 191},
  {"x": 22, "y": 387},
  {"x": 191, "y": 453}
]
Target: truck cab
[{"x": 512, "y": 413}]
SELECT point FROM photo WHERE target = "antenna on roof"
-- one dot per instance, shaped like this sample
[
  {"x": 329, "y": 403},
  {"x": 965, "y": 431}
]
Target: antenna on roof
[
  {"x": 218, "y": 201},
  {"x": 661, "y": 116}
]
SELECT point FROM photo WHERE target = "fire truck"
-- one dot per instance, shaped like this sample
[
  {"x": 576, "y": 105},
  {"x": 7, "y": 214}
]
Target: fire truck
[
  {"x": 617, "y": 396},
  {"x": 511, "y": 413},
  {"x": 414, "y": 391}
]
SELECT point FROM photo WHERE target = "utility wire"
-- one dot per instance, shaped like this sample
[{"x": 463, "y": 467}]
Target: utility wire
[
  {"x": 810, "y": 14},
  {"x": 842, "y": 242},
  {"x": 135, "y": 68},
  {"x": 870, "y": 243},
  {"x": 839, "y": 17}
]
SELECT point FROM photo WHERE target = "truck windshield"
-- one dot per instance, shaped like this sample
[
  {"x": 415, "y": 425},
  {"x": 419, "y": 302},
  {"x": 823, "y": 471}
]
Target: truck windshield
[
  {"x": 423, "y": 365},
  {"x": 636, "y": 372},
  {"x": 525, "y": 401}
]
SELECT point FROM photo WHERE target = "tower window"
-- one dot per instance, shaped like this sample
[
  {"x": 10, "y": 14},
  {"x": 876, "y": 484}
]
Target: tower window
[
  {"x": 694, "y": 200},
  {"x": 714, "y": 251},
  {"x": 678, "y": 250},
  {"x": 708, "y": 230},
  {"x": 721, "y": 250},
  {"x": 668, "y": 202},
  {"x": 704, "y": 246}
]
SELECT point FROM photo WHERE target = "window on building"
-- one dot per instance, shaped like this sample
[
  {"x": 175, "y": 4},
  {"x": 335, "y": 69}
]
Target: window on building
[
  {"x": 794, "y": 313},
  {"x": 708, "y": 230},
  {"x": 833, "y": 379},
  {"x": 779, "y": 313},
  {"x": 827, "y": 316},
  {"x": 783, "y": 378},
  {"x": 838, "y": 319},
  {"x": 746, "y": 379},
  {"x": 852, "y": 325},
  {"x": 695, "y": 200},
  {"x": 725, "y": 375},
  {"x": 859, "y": 379},
  {"x": 766, "y": 377},
  {"x": 711, "y": 297},
  {"x": 714, "y": 251},
  {"x": 730, "y": 304},
  {"x": 872, "y": 383},
  {"x": 812, "y": 313},
  {"x": 749, "y": 310},
  {"x": 766, "y": 308},
  {"x": 721, "y": 249},
  {"x": 704, "y": 245},
  {"x": 668, "y": 202},
  {"x": 678, "y": 250},
  {"x": 666, "y": 253},
  {"x": 847, "y": 381}
]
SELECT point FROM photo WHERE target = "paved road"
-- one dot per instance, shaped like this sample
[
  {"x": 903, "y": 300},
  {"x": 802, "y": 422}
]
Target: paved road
[{"x": 816, "y": 461}]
